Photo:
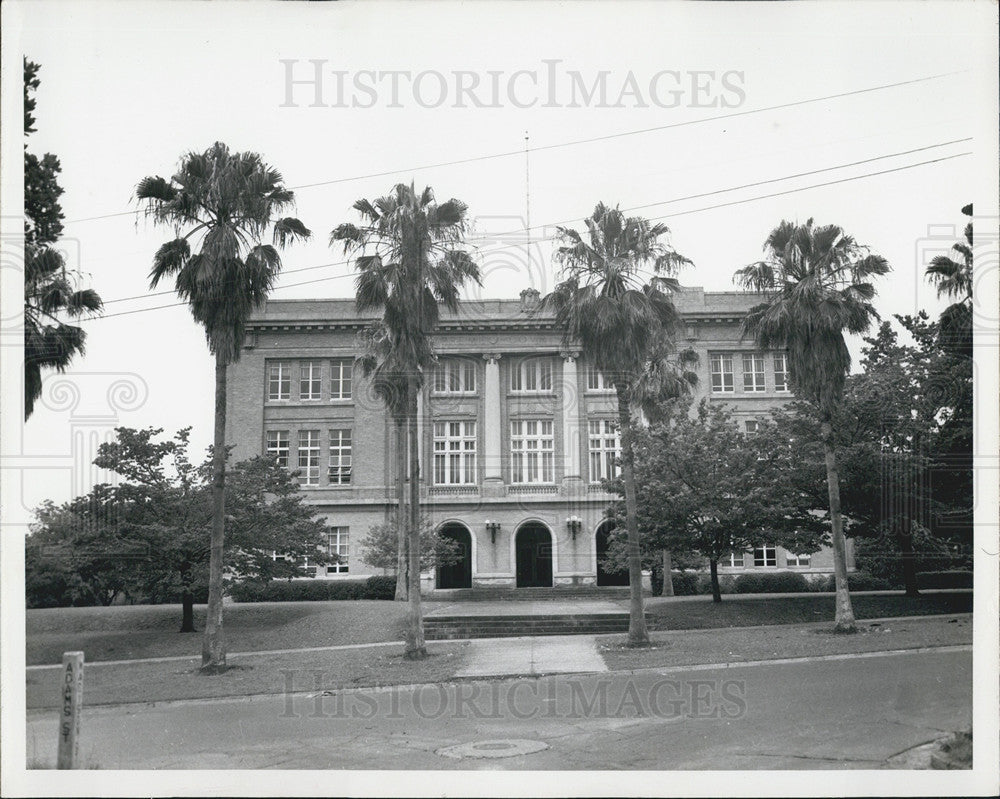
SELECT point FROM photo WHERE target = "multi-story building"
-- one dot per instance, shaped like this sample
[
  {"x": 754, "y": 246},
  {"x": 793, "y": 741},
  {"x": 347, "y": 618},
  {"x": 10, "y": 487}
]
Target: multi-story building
[{"x": 516, "y": 432}]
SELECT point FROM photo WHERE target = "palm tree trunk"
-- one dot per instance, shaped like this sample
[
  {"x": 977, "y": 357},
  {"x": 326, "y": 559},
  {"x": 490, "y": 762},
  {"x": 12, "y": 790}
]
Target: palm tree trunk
[
  {"x": 415, "y": 646},
  {"x": 401, "y": 546},
  {"x": 668, "y": 580},
  {"x": 844, "y": 618},
  {"x": 637, "y": 634},
  {"x": 713, "y": 567},
  {"x": 213, "y": 652}
]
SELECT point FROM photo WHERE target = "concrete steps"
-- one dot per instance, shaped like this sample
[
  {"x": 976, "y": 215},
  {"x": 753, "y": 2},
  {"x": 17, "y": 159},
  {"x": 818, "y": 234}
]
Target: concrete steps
[
  {"x": 505, "y": 594},
  {"x": 438, "y": 628}
]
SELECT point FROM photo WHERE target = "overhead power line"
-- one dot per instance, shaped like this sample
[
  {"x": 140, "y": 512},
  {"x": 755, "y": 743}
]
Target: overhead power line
[
  {"x": 591, "y": 140},
  {"x": 665, "y": 216}
]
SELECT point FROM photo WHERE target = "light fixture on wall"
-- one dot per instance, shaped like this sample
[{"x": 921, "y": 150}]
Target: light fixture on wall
[
  {"x": 493, "y": 528},
  {"x": 573, "y": 524}
]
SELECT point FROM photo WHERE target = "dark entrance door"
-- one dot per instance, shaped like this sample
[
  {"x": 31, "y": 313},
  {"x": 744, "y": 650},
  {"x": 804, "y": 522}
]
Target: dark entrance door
[
  {"x": 605, "y": 577},
  {"x": 533, "y": 546},
  {"x": 458, "y": 574}
]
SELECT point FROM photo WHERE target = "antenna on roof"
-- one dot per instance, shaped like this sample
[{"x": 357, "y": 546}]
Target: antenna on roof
[{"x": 527, "y": 206}]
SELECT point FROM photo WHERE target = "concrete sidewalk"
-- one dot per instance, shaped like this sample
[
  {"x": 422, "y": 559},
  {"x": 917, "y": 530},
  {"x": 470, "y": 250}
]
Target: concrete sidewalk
[{"x": 548, "y": 654}]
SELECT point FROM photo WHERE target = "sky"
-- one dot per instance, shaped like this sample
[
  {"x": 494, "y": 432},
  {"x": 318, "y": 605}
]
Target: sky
[{"x": 700, "y": 100}]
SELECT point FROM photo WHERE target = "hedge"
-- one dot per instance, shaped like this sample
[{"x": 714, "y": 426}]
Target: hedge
[
  {"x": 772, "y": 583},
  {"x": 685, "y": 583},
  {"x": 375, "y": 587},
  {"x": 944, "y": 579}
]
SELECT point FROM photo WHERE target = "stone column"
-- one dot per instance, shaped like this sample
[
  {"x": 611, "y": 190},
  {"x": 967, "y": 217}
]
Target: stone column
[
  {"x": 571, "y": 412},
  {"x": 492, "y": 472}
]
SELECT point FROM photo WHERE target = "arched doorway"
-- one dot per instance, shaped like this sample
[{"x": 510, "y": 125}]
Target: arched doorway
[
  {"x": 533, "y": 555},
  {"x": 601, "y": 542},
  {"x": 459, "y": 573}
]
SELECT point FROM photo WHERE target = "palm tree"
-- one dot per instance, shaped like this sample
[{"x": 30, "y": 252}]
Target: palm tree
[
  {"x": 227, "y": 201},
  {"x": 816, "y": 286},
  {"x": 409, "y": 260},
  {"x": 388, "y": 376},
  {"x": 49, "y": 341},
  {"x": 621, "y": 323},
  {"x": 954, "y": 280}
]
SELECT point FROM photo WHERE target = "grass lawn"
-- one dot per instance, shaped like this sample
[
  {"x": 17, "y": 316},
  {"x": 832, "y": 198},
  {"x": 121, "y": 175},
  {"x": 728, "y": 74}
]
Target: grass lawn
[
  {"x": 735, "y": 611},
  {"x": 139, "y": 631}
]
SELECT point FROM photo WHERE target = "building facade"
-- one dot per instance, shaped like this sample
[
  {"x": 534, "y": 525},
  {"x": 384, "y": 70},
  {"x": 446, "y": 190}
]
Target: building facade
[{"x": 516, "y": 432}]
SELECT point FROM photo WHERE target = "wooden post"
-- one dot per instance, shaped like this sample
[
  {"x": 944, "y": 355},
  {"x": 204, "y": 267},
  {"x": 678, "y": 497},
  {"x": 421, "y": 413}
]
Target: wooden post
[{"x": 72, "y": 706}]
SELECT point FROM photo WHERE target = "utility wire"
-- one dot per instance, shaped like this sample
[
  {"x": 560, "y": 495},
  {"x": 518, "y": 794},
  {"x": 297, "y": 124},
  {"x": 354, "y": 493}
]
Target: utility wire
[
  {"x": 591, "y": 140},
  {"x": 666, "y": 216}
]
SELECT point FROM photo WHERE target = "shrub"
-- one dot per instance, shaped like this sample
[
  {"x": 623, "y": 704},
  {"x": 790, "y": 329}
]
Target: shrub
[
  {"x": 311, "y": 590},
  {"x": 727, "y": 584},
  {"x": 862, "y": 581},
  {"x": 380, "y": 586},
  {"x": 772, "y": 583},
  {"x": 944, "y": 579},
  {"x": 685, "y": 583}
]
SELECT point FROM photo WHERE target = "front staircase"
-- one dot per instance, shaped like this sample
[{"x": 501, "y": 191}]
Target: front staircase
[
  {"x": 442, "y": 627},
  {"x": 557, "y": 593}
]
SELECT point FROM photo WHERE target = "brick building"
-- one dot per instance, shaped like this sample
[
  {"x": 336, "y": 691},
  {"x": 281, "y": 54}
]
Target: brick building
[{"x": 516, "y": 432}]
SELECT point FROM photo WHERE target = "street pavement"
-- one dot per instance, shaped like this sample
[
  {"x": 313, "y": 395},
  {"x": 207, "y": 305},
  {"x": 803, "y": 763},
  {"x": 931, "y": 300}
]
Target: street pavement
[{"x": 852, "y": 712}]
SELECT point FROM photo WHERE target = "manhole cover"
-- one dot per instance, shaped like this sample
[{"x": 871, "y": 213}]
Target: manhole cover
[{"x": 501, "y": 748}]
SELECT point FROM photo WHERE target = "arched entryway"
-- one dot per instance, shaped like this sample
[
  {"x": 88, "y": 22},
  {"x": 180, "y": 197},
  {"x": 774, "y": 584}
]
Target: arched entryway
[
  {"x": 601, "y": 541},
  {"x": 459, "y": 573},
  {"x": 533, "y": 555}
]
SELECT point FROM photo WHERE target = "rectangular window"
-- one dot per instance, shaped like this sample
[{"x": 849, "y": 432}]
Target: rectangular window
[
  {"x": 752, "y": 426},
  {"x": 780, "y": 371},
  {"x": 722, "y": 373},
  {"x": 341, "y": 377},
  {"x": 338, "y": 547},
  {"x": 596, "y": 381},
  {"x": 310, "y": 383},
  {"x": 455, "y": 377},
  {"x": 797, "y": 560},
  {"x": 531, "y": 449},
  {"x": 309, "y": 457},
  {"x": 277, "y": 447},
  {"x": 339, "y": 473},
  {"x": 753, "y": 372},
  {"x": 765, "y": 556},
  {"x": 279, "y": 380},
  {"x": 533, "y": 375},
  {"x": 605, "y": 448},
  {"x": 736, "y": 560},
  {"x": 454, "y": 453}
]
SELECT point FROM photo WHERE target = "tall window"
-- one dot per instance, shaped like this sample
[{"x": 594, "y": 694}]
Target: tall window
[
  {"x": 752, "y": 427},
  {"x": 454, "y": 453},
  {"x": 310, "y": 382},
  {"x": 780, "y": 371},
  {"x": 341, "y": 374},
  {"x": 455, "y": 377},
  {"x": 531, "y": 451},
  {"x": 339, "y": 472},
  {"x": 753, "y": 371},
  {"x": 533, "y": 375},
  {"x": 604, "y": 449},
  {"x": 279, "y": 380},
  {"x": 277, "y": 446},
  {"x": 797, "y": 560},
  {"x": 722, "y": 372},
  {"x": 596, "y": 381},
  {"x": 309, "y": 457},
  {"x": 765, "y": 556},
  {"x": 338, "y": 546}
]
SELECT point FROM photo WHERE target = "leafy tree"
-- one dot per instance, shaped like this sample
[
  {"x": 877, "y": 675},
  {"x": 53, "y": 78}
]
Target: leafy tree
[
  {"x": 623, "y": 324},
  {"x": 50, "y": 289},
  {"x": 816, "y": 282},
  {"x": 226, "y": 202},
  {"x": 147, "y": 537},
  {"x": 380, "y": 546},
  {"x": 410, "y": 259},
  {"x": 709, "y": 488}
]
